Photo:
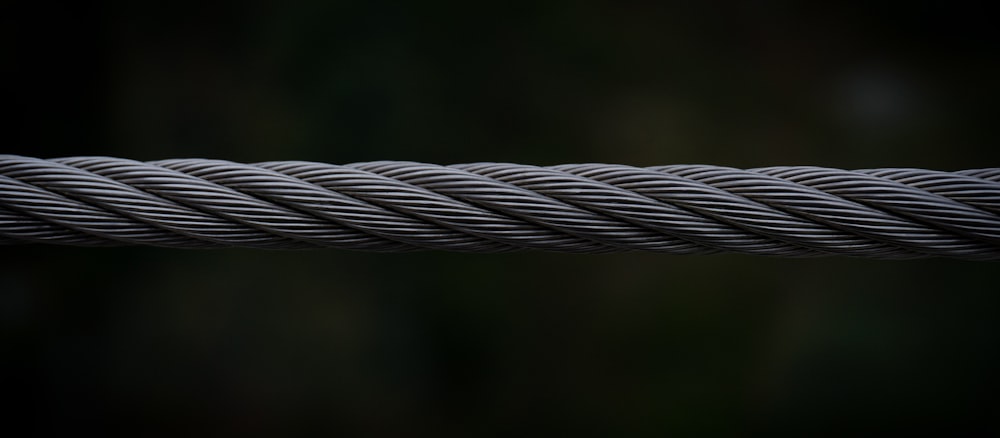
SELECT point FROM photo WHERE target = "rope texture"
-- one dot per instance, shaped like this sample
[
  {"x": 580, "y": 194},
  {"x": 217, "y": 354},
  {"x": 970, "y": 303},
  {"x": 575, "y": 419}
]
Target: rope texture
[{"x": 395, "y": 206}]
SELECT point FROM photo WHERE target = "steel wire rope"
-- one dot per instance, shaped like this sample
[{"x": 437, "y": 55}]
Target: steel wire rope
[{"x": 396, "y": 206}]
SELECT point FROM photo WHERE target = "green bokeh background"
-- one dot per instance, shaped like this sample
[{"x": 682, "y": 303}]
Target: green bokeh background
[{"x": 267, "y": 342}]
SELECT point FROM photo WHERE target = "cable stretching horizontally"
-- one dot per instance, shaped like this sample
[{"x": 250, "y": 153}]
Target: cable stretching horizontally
[{"x": 396, "y": 206}]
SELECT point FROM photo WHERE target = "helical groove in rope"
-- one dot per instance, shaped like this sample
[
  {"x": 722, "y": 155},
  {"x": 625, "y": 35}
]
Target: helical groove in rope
[{"x": 393, "y": 206}]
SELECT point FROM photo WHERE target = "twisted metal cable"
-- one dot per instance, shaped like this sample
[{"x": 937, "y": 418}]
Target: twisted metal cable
[{"x": 395, "y": 206}]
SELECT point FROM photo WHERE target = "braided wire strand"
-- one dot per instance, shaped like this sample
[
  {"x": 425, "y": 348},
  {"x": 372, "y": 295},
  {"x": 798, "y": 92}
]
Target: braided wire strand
[{"x": 395, "y": 206}]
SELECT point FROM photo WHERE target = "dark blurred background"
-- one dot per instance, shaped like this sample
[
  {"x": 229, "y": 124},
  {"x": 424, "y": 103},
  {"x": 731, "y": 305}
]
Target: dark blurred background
[{"x": 271, "y": 343}]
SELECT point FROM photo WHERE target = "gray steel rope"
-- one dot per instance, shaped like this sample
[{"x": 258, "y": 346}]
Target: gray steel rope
[{"x": 491, "y": 207}]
